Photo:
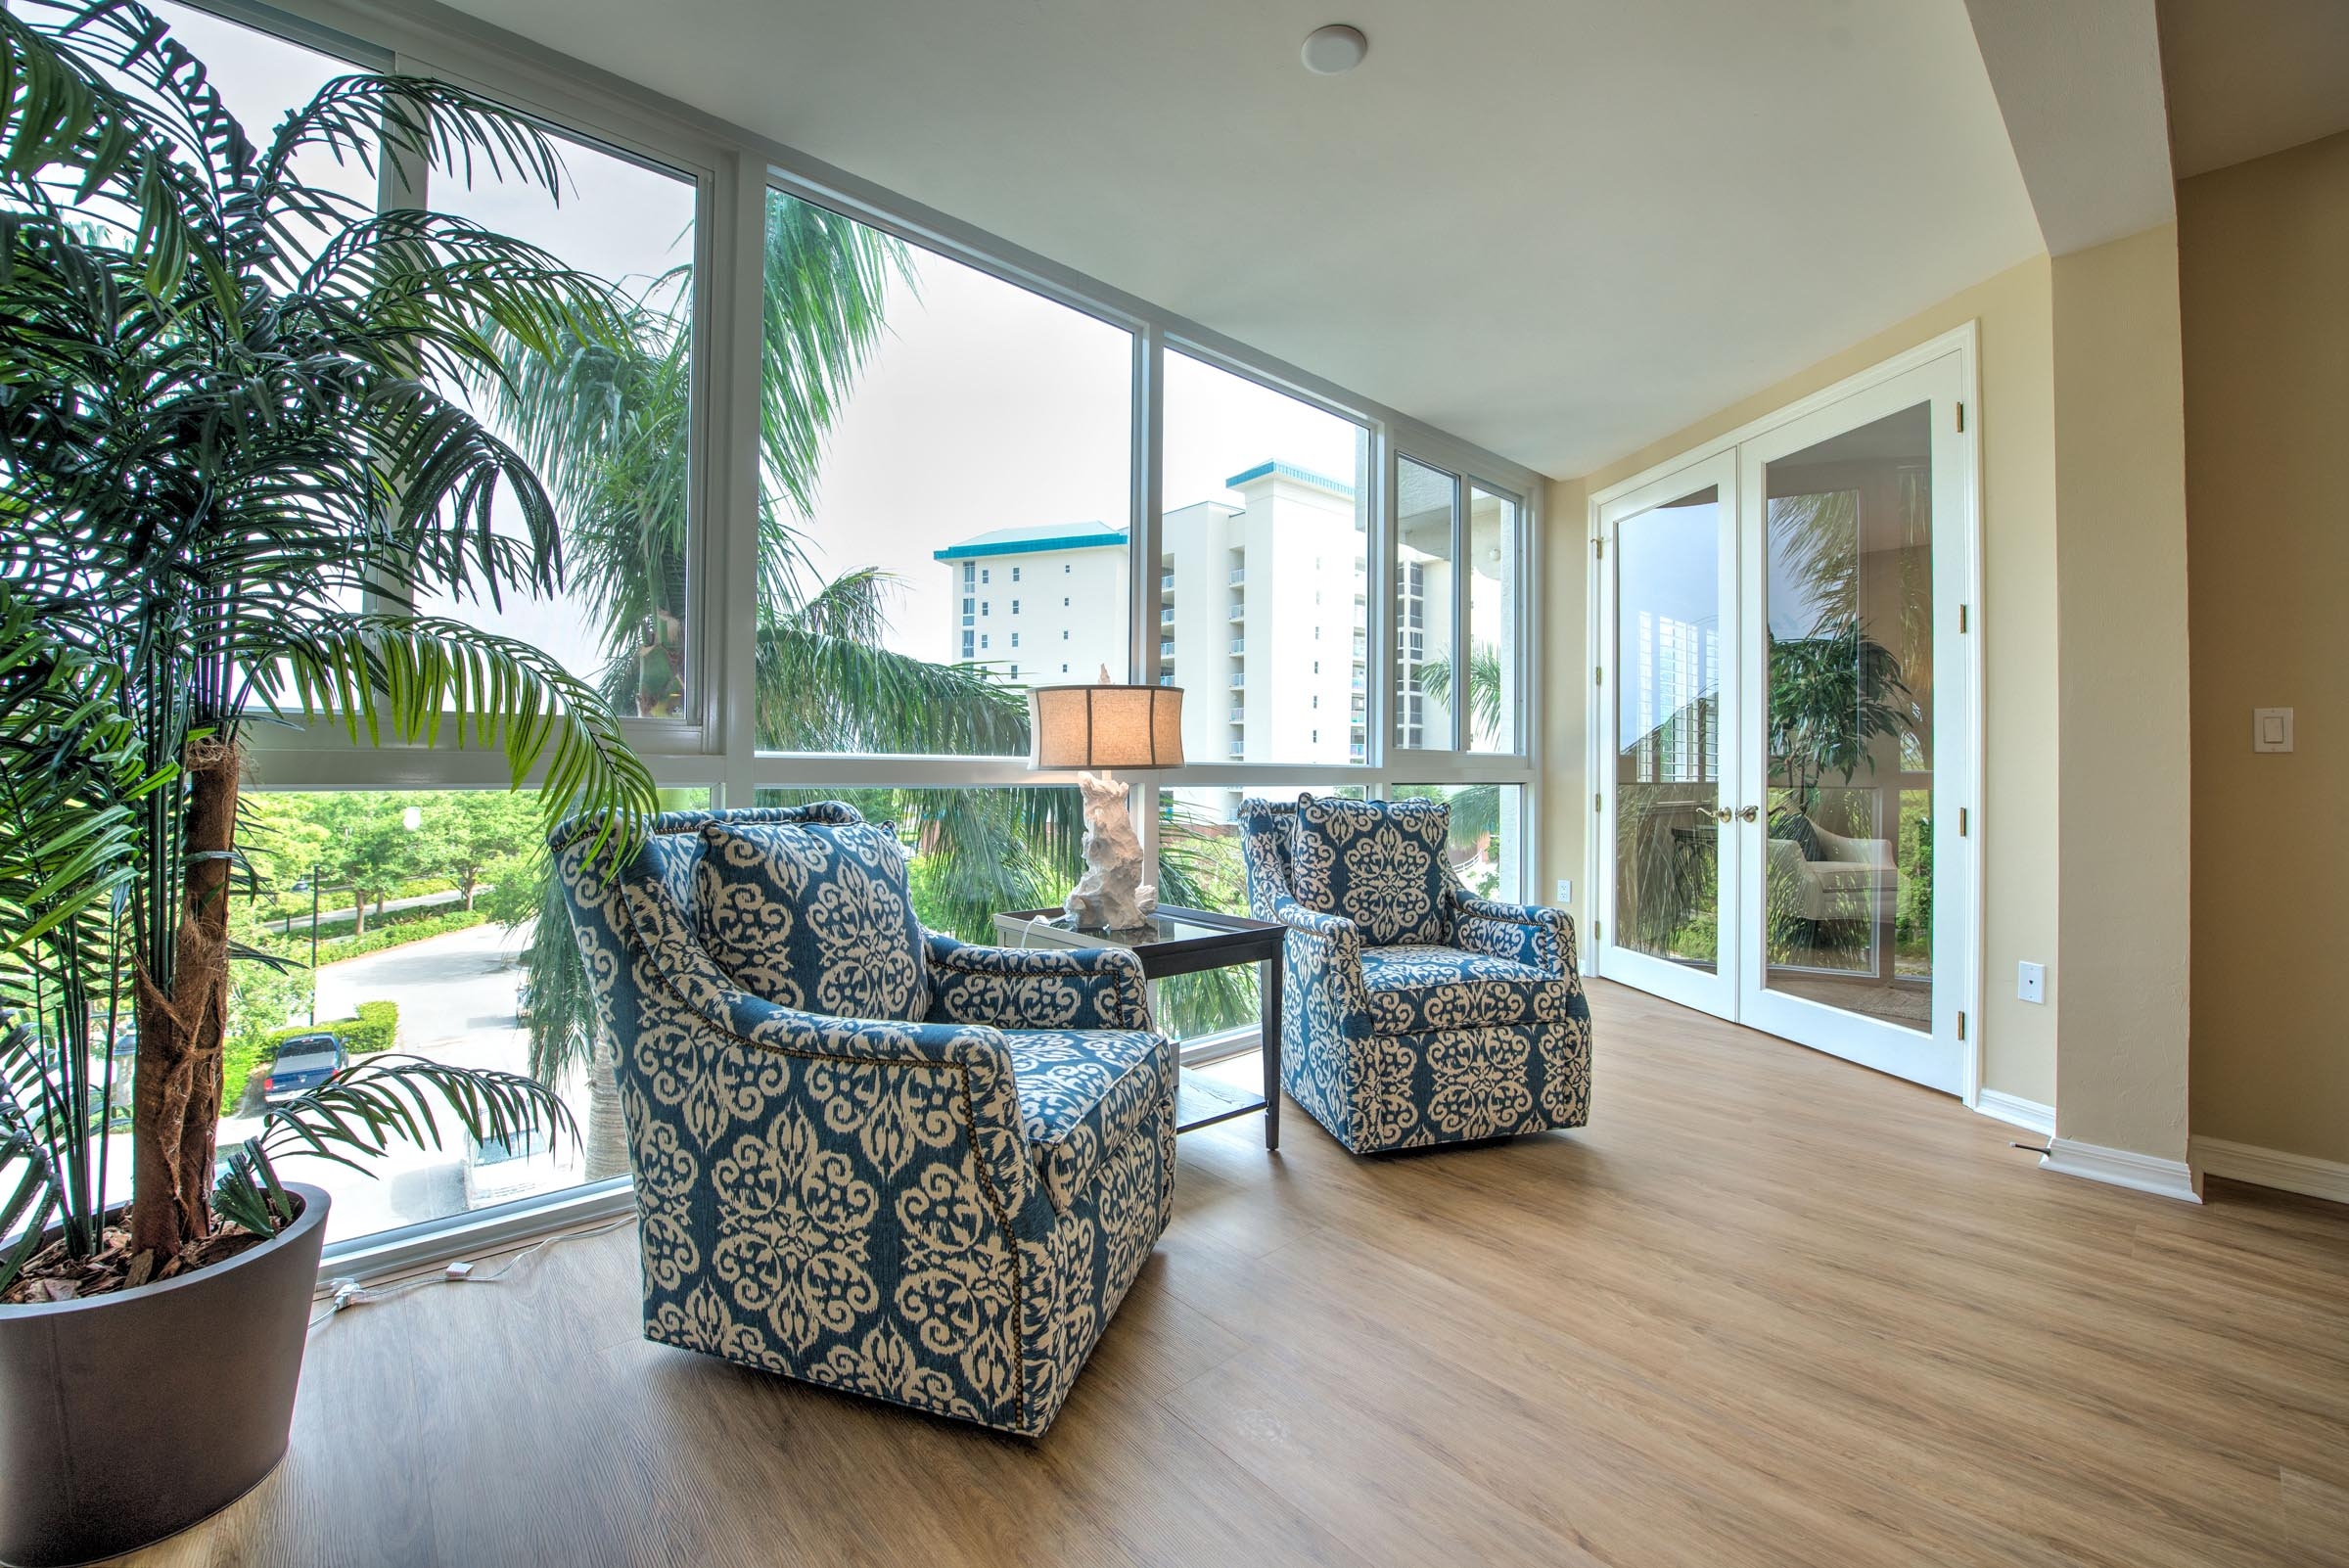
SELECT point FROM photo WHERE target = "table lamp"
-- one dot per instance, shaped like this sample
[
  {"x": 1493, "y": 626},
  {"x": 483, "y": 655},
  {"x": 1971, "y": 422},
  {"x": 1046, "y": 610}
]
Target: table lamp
[{"x": 1096, "y": 728}]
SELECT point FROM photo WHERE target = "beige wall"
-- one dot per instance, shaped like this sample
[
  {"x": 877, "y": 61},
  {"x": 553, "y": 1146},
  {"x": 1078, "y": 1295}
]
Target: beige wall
[
  {"x": 2017, "y": 617},
  {"x": 2264, "y": 271},
  {"x": 2120, "y": 492}
]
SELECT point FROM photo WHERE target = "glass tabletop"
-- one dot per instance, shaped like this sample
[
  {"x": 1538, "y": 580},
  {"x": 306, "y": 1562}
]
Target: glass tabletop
[{"x": 1166, "y": 924}]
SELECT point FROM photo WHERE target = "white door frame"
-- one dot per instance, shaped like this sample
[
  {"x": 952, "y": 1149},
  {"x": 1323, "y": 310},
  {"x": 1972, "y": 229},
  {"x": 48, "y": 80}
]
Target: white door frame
[
  {"x": 1959, "y": 908},
  {"x": 1714, "y": 992}
]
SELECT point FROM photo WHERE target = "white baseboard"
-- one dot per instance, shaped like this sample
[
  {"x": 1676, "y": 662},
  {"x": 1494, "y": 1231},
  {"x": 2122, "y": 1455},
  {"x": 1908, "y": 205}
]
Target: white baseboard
[
  {"x": 2271, "y": 1167},
  {"x": 2123, "y": 1168},
  {"x": 2013, "y": 1108}
]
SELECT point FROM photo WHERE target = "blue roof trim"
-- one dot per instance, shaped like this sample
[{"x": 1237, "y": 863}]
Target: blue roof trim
[
  {"x": 1289, "y": 471},
  {"x": 1090, "y": 539}
]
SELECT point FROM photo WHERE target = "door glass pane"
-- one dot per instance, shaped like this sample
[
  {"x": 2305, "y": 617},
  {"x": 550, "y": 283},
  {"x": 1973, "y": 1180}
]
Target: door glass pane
[
  {"x": 1668, "y": 768},
  {"x": 1492, "y": 622},
  {"x": 1425, "y": 499},
  {"x": 1849, "y": 873}
]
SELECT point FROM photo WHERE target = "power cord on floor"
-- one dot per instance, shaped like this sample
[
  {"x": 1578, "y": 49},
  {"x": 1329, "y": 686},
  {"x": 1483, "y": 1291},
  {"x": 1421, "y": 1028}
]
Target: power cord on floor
[{"x": 345, "y": 1293}]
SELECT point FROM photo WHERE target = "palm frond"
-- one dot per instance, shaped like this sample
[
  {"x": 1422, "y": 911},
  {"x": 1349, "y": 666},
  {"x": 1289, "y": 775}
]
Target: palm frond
[
  {"x": 827, "y": 281},
  {"x": 418, "y": 121},
  {"x": 362, "y": 1110},
  {"x": 826, "y": 683},
  {"x": 414, "y": 676}
]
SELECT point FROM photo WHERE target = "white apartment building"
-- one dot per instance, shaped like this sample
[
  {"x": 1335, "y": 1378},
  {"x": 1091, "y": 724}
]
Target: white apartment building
[
  {"x": 1045, "y": 605},
  {"x": 1263, "y": 610},
  {"x": 1262, "y": 619}
]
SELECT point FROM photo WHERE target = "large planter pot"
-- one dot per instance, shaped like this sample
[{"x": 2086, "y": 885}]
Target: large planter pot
[{"x": 127, "y": 1418}]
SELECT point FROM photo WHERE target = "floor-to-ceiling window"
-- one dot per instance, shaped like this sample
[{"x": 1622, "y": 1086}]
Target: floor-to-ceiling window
[{"x": 850, "y": 489}]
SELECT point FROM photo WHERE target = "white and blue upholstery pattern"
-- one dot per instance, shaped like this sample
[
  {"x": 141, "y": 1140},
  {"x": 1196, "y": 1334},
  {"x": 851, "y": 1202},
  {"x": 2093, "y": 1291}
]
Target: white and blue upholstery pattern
[
  {"x": 1083, "y": 1092},
  {"x": 814, "y": 914},
  {"x": 1477, "y": 1031},
  {"x": 941, "y": 1212},
  {"x": 1379, "y": 863}
]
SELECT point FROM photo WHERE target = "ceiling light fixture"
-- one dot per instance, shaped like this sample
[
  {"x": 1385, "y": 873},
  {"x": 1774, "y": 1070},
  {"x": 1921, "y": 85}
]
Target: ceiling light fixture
[{"x": 1333, "y": 49}]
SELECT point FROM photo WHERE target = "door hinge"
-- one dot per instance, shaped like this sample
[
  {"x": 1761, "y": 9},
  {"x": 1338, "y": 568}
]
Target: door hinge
[
  {"x": 1601, "y": 546},
  {"x": 1598, "y": 932},
  {"x": 1961, "y": 619},
  {"x": 1599, "y": 803},
  {"x": 1598, "y": 674},
  {"x": 1961, "y": 419},
  {"x": 1962, "y": 821},
  {"x": 1961, "y": 1026}
]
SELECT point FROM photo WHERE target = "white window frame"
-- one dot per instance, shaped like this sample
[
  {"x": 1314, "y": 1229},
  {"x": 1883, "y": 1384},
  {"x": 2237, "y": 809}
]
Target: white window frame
[{"x": 714, "y": 747}]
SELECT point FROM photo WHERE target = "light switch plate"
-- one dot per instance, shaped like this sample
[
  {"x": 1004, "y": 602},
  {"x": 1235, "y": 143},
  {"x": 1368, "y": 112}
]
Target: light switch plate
[
  {"x": 2031, "y": 982},
  {"x": 1565, "y": 891},
  {"x": 2271, "y": 729}
]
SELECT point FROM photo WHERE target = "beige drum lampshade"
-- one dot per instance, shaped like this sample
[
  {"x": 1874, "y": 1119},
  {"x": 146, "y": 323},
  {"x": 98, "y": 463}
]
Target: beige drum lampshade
[{"x": 1105, "y": 726}]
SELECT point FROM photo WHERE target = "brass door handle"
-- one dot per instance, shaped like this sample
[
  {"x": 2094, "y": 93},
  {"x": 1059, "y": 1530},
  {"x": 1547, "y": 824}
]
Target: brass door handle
[
  {"x": 1749, "y": 813},
  {"x": 1721, "y": 813}
]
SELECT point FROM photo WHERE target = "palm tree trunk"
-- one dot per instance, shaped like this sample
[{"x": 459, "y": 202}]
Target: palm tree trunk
[
  {"x": 607, "y": 1131},
  {"x": 175, "y": 1092}
]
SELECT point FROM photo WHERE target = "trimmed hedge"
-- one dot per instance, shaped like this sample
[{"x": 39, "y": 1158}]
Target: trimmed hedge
[
  {"x": 375, "y": 1028},
  {"x": 394, "y": 932}
]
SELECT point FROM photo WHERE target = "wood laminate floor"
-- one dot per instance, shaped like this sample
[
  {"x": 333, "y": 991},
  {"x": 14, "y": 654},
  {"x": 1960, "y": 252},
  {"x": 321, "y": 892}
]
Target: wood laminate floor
[{"x": 1767, "y": 1308}]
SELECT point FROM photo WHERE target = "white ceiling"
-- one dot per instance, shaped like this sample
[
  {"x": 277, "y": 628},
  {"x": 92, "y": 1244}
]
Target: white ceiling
[
  {"x": 2249, "y": 80},
  {"x": 1558, "y": 228}
]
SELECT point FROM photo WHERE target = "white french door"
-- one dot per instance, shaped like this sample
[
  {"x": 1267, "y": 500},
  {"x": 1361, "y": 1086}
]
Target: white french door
[
  {"x": 1665, "y": 684},
  {"x": 1786, "y": 727}
]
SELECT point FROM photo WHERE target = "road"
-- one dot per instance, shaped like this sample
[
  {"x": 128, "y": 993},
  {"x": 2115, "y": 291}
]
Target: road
[
  {"x": 455, "y": 993},
  {"x": 456, "y": 1005}
]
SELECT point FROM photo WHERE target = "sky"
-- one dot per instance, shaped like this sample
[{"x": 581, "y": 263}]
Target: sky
[{"x": 982, "y": 407}]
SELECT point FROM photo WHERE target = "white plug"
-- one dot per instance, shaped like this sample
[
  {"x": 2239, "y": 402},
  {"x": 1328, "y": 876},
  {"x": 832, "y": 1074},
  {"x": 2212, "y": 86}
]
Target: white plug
[{"x": 459, "y": 1270}]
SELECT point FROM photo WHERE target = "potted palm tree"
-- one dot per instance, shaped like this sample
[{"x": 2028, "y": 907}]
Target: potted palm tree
[{"x": 229, "y": 468}]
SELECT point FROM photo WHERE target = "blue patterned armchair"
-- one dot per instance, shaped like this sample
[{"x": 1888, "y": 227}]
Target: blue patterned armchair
[
  {"x": 866, "y": 1155},
  {"x": 1411, "y": 1011}
]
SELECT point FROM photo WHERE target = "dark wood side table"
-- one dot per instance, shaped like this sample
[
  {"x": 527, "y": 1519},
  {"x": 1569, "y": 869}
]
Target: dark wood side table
[{"x": 1184, "y": 942}]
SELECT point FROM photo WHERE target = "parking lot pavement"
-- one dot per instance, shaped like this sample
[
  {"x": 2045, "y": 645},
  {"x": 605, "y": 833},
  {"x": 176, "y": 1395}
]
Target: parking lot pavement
[{"x": 456, "y": 1004}]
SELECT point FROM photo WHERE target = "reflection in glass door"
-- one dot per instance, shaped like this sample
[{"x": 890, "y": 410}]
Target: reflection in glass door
[
  {"x": 1671, "y": 561},
  {"x": 1848, "y": 735}
]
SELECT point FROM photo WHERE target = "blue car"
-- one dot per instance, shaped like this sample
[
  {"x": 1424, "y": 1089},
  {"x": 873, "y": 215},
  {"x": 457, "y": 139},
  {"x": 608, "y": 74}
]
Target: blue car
[{"x": 302, "y": 1064}]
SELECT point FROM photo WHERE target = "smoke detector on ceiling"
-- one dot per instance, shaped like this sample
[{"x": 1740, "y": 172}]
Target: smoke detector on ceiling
[{"x": 1333, "y": 49}]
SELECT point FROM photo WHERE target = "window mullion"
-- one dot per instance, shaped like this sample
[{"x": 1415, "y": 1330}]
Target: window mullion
[
  {"x": 1464, "y": 652},
  {"x": 1147, "y": 523},
  {"x": 729, "y": 562},
  {"x": 1382, "y": 668}
]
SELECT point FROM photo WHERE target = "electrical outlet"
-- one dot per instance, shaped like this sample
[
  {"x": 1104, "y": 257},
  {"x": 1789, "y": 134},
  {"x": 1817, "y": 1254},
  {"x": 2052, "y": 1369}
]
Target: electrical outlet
[
  {"x": 2031, "y": 982},
  {"x": 1565, "y": 891}
]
